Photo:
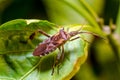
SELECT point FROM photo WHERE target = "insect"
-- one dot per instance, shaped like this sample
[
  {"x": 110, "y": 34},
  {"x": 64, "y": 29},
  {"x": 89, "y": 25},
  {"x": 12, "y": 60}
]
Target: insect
[{"x": 53, "y": 42}]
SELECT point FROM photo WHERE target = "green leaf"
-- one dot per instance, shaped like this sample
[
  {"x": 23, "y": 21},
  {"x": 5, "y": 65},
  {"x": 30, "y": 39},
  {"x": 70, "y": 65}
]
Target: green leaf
[
  {"x": 71, "y": 12},
  {"x": 17, "y": 61},
  {"x": 64, "y": 12},
  {"x": 118, "y": 22}
]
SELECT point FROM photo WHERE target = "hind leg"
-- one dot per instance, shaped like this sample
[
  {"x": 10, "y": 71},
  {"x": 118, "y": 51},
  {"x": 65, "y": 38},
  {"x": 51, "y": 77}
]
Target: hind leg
[
  {"x": 56, "y": 61},
  {"x": 59, "y": 59}
]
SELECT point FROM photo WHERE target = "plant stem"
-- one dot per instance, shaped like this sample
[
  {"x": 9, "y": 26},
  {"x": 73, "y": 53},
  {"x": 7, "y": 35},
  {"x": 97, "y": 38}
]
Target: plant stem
[{"x": 115, "y": 47}]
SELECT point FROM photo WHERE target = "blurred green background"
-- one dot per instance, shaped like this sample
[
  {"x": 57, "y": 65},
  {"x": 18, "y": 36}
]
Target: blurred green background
[{"x": 103, "y": 61}]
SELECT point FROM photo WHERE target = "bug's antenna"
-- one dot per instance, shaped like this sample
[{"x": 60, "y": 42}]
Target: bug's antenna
[
  {"x": 82, "y": 25},
  {"x": 67, "y": 29},
  {"x": 73, "y": 33},
  {"x": 62, "y": 28},
  {"x": 80, "y": 28}
]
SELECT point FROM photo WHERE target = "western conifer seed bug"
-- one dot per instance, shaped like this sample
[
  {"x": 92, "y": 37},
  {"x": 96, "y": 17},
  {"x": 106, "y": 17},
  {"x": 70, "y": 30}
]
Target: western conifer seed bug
[{"x": 56, "y": 41}]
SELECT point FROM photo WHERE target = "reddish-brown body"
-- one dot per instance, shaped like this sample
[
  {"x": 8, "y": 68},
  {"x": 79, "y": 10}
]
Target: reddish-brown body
[{"x": 52, "y": 43}]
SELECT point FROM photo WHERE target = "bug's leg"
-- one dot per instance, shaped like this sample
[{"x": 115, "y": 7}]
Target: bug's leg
[
  {"x": 32, "y": 36},
  {"x": 62, "y": 54},
  {"x": 56, "y": 61},
  {"x": 78, "y": 38},
  {"x": 44, "y": 33},
  {"x": 60, "y": 59},
  {"x": 74, "y": 38},
  {"x": 40, "y": 31}
]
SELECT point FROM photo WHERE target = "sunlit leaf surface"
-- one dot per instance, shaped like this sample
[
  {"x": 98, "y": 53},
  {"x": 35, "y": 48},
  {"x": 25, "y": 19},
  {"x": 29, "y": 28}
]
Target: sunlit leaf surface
[{"x": 17, "y": 61}]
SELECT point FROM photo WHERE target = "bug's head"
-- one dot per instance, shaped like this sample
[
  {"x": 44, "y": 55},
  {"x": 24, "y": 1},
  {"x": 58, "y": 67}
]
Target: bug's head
[
  {"x": 64, "y": 34},
  {"x": 73, "y": 33}
]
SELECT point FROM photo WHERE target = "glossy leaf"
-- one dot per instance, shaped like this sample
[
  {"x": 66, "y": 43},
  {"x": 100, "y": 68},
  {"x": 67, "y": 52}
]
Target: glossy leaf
[{"x": 17, "y": 61}]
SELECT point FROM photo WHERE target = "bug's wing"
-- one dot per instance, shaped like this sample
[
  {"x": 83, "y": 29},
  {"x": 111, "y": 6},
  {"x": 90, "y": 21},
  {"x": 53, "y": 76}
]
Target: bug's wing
[{"x": 40, "y": 50}]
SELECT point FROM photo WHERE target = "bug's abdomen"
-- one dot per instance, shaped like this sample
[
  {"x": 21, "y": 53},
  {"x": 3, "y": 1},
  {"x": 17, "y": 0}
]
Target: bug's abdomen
[
  {"x": 40, "y": 50},
  {"x": 44, "y": 48}
]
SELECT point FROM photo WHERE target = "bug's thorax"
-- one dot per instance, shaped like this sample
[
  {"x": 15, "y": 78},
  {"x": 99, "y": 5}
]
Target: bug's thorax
[{"x": 60, "y": 38}]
